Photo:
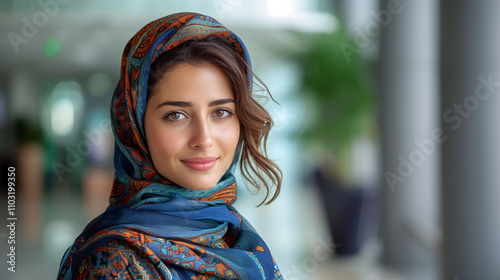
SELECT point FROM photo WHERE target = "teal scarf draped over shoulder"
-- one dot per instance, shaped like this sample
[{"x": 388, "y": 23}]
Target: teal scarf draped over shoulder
[{"x": 152, "y": 228}]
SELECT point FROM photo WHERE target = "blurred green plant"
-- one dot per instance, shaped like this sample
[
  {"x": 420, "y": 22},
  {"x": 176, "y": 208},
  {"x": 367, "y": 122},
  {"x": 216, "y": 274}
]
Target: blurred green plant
[{"x": 340, "y": 89}]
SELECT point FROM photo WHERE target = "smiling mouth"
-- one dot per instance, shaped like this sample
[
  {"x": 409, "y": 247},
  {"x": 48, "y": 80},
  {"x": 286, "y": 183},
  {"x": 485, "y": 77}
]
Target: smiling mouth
[{"x": 200, "y": 163}]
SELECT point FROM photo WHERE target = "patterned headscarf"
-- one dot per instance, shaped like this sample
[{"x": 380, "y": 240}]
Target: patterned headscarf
[
  {"x": 133, "y": 164},
  {"x": 176, "y": 232}
]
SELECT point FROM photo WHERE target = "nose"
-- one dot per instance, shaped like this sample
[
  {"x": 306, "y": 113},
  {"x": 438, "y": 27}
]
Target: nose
[{"x": 201, "y": 138}]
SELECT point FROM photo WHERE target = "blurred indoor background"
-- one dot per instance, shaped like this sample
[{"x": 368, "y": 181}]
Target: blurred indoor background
[{"x": 386, "y": 130}]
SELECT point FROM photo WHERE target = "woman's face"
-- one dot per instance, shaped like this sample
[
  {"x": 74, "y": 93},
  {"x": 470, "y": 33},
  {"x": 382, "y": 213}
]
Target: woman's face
[{"x": 191, "y": 125}]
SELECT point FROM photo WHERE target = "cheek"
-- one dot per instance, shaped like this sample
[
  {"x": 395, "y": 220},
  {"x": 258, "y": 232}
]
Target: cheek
[
  {"x": 229, "y": 137},
  {"x": 164, "y": 144}
]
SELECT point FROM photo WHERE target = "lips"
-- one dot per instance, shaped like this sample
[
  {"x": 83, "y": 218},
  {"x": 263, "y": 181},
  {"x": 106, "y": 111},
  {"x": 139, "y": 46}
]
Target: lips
[{"x": 200, "y": 163}]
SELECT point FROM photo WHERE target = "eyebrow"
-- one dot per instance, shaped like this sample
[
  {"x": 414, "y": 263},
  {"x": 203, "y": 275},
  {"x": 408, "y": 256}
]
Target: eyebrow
[{"x": 189, "y": 104}]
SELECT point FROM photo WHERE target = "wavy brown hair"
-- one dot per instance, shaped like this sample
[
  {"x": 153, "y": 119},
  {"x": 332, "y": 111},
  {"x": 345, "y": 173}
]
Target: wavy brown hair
[{"x": 255, "y": 121}]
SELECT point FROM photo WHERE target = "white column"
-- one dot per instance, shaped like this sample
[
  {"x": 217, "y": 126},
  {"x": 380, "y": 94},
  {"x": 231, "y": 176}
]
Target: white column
[
  {"x": 470, "y": 104},
  {"x": 409, "y": 119}
]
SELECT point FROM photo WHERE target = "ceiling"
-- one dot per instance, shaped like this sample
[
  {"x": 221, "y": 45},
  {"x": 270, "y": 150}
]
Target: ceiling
[{"x": 92, "y": 35}]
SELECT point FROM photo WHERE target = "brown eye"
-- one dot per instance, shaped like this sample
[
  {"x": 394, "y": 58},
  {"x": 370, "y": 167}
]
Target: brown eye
[
  {"x": 219, "y": 113},
  {"x": 222, "y": 113},
  {"x": 174, "y": 116}
]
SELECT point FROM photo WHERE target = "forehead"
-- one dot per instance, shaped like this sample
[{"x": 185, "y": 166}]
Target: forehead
[{"x": 194, "y": 83}]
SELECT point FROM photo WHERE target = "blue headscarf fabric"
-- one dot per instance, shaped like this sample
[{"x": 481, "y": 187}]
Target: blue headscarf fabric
[{"x": 154, "y": 229}]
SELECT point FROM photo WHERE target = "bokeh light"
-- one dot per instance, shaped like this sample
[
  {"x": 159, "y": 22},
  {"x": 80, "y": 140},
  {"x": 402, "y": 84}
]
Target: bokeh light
[{"x": 52, "y": 47}]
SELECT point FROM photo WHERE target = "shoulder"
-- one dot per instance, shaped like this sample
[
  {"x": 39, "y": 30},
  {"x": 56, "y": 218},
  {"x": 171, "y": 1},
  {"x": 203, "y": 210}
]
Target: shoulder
[{"x": 114, "y": 259}]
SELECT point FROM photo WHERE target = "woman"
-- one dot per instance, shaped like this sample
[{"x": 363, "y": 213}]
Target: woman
[{"x": 183, "y": 117}]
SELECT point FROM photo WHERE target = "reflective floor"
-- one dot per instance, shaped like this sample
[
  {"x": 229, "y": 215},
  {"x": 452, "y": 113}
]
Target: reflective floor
[{"x": 62, "y": 215}]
